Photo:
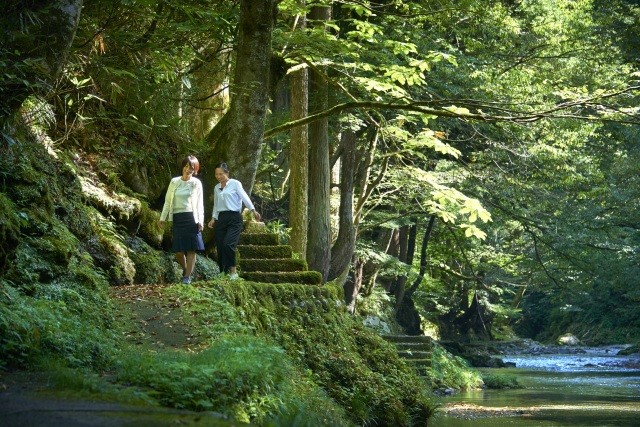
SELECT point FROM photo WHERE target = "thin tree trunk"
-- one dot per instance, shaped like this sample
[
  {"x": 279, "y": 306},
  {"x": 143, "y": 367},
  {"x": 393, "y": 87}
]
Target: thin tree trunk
[
  {"x": 299, "y": 158},
  {"x": 319, "y": 236},
  {"x": 344, "y": 246},
  {"x": 353, "y": 284},
  {"x": 423, "y": 257}
]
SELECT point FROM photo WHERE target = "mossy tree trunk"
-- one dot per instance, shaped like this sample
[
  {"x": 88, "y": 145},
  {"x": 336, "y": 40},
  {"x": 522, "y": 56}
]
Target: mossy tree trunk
[
  {"x": 299, "y": 157},
  {"x": 36, "y": 36},
  {"x": 237, "y": 137},
  {"x": 319, "y": 236}
]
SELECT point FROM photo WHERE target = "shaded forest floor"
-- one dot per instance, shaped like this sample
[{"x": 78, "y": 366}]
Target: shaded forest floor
[{"x": 154, "y": 317}]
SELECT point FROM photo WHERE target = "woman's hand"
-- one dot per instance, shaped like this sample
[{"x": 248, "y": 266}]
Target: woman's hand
[
  {"x": 212, "y": 223},
  {"x": 257, "y": 215},
  {"x": 161, "y": 223},
  {"x": 200, "y": 227}
]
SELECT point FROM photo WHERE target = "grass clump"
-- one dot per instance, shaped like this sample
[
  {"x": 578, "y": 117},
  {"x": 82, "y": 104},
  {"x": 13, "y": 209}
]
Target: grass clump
[{"x": 500, "y": 381}]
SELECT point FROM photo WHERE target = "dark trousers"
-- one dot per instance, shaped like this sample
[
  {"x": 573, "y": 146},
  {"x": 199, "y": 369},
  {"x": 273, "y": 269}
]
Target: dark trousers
[{"x": 228, "y": 228}]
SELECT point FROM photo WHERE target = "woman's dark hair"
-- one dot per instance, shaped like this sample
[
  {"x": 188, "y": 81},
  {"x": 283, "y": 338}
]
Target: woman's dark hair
[
  {"x": 222, "y": 166},
  {"x": 193, "y": 163}
]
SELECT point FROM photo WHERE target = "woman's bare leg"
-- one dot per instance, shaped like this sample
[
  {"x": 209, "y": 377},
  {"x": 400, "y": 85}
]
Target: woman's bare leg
[
  {"x": 182, "y": 260},
  {"x": 190, "y": 264}
]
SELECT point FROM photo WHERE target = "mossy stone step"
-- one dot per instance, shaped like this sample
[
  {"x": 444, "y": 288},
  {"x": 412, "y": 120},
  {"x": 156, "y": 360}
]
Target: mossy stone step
[
  {"x": 299, "y": 277},
  {"x": 273, "y": 265},
  {"x": 408, "y": 338},
  {"x": 264, "y": 252},
  {"x": 261, "y": 239},
  {"x": 414, "y": 346},
  {"x": 415, "y": 355},
  {"x": 423, "y": 369}
]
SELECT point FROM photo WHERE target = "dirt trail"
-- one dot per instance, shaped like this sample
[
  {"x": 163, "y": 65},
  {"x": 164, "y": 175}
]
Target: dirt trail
[{"x": 156, "y": 317}]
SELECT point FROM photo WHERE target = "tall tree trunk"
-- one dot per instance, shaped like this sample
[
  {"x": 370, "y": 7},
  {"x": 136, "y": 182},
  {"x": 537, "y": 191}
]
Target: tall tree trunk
[
  {"x": 36, "y": 36},
  {"x": 299, "y": 157},
  {"x": 319, "y": 236},
  {"x": 407, "y": 249},
  {"x": 237, "y": 137},
  {"x": 343, "y": 248}
]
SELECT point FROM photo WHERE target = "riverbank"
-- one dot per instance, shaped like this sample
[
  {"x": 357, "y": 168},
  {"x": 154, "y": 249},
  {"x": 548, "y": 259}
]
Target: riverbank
[{"x": 575, "y": 386}]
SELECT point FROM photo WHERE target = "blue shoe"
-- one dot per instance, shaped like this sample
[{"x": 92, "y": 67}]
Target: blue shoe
[{"x": 186, "y": 280}]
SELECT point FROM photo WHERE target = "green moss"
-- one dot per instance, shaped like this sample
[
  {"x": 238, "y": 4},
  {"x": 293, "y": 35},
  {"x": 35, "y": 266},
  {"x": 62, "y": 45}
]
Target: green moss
[
  {"x": 12, "y": 219},
  {"x": 262, "y": 239},
  {"x": 353, "y": 366},
  {"x": 206, "y": 268},
  {"x": 273, "y": 265},
  {"x": 300, "y": 277},
  {"x": 265, "y": 252},
  {"x": 150, "y": 265},
  {"x": 148, "y": 228},
  {"x": 55, "y": 323},
  {"x": 110, "y": 251}
]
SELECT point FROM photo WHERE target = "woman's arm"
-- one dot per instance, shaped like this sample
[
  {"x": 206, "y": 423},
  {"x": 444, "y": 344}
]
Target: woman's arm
[
  {"x": 247, "y": 202},
  {"x": 199, "y": 203},
  {"x": 168, "y": 198}
]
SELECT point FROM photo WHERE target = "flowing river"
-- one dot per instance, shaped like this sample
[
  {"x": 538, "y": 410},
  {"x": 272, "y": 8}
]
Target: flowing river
[{"x": 595, "y": 387}]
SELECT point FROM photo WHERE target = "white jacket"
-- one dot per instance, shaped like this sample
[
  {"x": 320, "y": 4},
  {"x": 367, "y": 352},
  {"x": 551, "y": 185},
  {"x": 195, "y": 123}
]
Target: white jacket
[{"x": 197, "y": 204}]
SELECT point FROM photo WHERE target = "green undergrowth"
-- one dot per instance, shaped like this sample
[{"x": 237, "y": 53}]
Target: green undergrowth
[
  {"x": 243, "y": 377},
  {"x": 452, "y": 371},
  {"x": 500, "y": 381},
  {"x": 355, "y": 367},
  {"x": 60, "y": 323}
]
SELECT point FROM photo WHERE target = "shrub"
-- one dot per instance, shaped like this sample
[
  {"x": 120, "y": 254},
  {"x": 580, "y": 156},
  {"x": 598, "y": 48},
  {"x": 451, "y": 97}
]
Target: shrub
[{"x": 497, "y": 381}]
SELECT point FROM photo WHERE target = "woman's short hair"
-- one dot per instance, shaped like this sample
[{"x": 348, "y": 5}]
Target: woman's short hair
[
  {"x": 223, "y": 166},
  {"x": 193, "y": 163}
]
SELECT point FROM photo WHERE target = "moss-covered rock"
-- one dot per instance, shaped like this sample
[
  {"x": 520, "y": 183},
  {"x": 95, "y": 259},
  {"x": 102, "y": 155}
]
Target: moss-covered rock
[
  {"x": 109, "y": 249},
  {"x": 206, "y": 268},
  {"x": 151, "y": 265}
]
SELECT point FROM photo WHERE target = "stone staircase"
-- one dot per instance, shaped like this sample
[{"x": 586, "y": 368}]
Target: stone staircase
[
  {"x": 414, "y": 349},
  {"x": 261, "y": 258}
]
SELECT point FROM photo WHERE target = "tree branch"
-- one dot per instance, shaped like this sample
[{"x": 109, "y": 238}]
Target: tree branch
[{"x": 424, "y": 107}]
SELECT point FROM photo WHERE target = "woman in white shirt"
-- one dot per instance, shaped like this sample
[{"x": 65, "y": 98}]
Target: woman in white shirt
[
  {"x": 226, "y": 218},
  {"x": 183, "y": 206}
]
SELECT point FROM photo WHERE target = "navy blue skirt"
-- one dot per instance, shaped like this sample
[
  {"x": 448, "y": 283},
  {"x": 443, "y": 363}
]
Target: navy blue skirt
[{"x": 186, "y": 236}]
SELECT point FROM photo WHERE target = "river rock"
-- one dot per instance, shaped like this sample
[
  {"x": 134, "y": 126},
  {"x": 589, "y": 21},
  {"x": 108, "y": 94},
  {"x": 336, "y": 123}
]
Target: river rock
[{"x": 568, "y": 339}]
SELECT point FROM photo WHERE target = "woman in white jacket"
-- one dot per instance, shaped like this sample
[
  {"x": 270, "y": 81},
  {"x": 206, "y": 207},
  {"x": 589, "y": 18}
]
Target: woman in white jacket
[{"x": 183, "y": 206}]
